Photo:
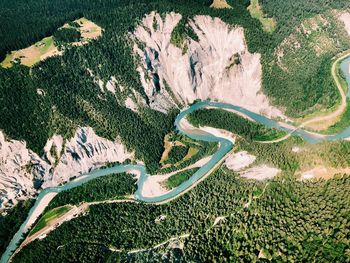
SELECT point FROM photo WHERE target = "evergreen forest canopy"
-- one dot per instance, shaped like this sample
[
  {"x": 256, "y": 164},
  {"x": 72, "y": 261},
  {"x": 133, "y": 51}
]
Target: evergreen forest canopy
[
  {"x": 287, "y": 219},
  {"x": 73, "y": 99}
]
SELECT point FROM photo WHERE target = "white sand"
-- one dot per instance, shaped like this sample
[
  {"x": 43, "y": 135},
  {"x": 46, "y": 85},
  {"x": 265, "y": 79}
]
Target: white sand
[
  {"x": 39, "y": 209},
  {"x": 152, "y": 187},
  {"x": 260, "y": 173},
  {"x": 189, "y": 128},
  {"x": 238, "y": 161},
  {"x": 219, "y": 133}
]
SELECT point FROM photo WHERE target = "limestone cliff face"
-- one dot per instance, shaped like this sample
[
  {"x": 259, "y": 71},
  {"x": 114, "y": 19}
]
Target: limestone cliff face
[
  {"x": 82, "y": 153},
  {"x": 19, "y": 169},
  {"x": 23, "y": 173},
  {"x": 217, "y": 67}
]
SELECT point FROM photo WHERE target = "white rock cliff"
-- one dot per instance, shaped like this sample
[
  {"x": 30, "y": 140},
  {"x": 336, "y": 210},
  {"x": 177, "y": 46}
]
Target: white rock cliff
[
  {"x": 20, "y": 168},
  {"x": 218, "y": 67}
]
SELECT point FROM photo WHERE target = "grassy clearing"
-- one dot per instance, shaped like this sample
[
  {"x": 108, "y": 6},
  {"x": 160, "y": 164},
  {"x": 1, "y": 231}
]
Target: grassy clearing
[
  {"x": 172, "y": 145},
  {"x": 88, "y": 29},
  {"x": 179, "y": 178},
  {"x": 168, "y": 146},
  {"x": 46, "y": 47},
  {"x": 49, "y": 216},
  {"x": 33, "y": 54},
  {"x": 191, "y": 152},
  {"x": 270, "y": 135},
  {"x": 219, "y": 4},
  {"x": 269, "y": 24}
]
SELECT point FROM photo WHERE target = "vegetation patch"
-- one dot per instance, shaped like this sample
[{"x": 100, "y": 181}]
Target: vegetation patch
[
  {"x": 181, "y": 33},
  {"x": 238, "y": 125},
  {"x": 176, "y": 154},
  {"x": 49, "y": 216},
  {"x": 11, "y": 222},
  {"x": 255, "y": 9},
  {"x": 181, "y": 151},
  {"x": 109, "y": 187},
  {"x": 66, "y": 35},
  {"x": 77, "y": 32},
  {"x": 219, "y": 4},
  {"x": 177, "y": 179}
]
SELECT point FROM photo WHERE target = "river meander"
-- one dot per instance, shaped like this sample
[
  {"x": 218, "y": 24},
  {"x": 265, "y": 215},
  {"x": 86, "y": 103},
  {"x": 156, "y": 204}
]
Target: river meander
[{"x": 224, "y": 147}]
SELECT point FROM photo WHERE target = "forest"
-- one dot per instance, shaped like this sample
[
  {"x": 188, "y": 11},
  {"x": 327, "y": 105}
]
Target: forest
[
  {"x": 178, "y": 178},
  {"x": 10, "y": 223},
  {"x": 176, "y": 154},
  {"x": 234, "y": 123},
  {"x": 112, "y": 186},
  {"x": 282, "y": 220},
  {"x": 289, "y": 220},
  {"x": 66, "y": 35},
  {"x": 66, "y": 105},
  {"x": 286, "y": 220}
]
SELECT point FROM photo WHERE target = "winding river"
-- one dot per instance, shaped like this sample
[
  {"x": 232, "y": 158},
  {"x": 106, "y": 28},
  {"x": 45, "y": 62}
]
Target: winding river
[{"x": 224, "y": 147}]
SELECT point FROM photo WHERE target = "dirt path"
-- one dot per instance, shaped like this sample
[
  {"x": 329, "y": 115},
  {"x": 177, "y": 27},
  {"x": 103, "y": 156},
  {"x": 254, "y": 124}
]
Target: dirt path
[
  {"x": 323, "y": 122},
  {"x": 314, "y": 122},
  {"x": 158, "y": 245},
  {"x": 53, "y": 224}
]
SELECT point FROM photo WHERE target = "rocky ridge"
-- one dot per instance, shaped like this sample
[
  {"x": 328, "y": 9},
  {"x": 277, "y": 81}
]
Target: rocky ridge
[
  {"x": 23, "y": 173},
  {"x": 218, "y": 66}
]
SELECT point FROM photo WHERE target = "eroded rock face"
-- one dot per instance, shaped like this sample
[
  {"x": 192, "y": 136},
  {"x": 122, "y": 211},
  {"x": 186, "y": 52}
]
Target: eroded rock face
[
  {"x": 84, "y": 152},
  {"x": 23, "y": 173},
  {"x": 217, "y": 67},
  {"x": 20, "y": 168},
  {"x": 345, "y": 18}
]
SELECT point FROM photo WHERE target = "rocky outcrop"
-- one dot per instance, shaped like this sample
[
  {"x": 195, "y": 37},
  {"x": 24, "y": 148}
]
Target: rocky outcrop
[
  {"x": 238, "y": 161},
  {"x": 23, "y": 173},
  {"x": 20, "y": 169},
  {"x": 216, "y": 66},
  {"x": 345, "y": 18},
  {"x": 84, "y": 152}
]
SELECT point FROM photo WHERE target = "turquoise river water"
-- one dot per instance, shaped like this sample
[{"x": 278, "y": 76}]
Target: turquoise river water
[{"x": 224, "y": 148}]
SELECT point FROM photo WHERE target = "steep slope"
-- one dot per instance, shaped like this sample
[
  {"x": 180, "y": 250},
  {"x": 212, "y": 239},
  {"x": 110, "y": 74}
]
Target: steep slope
[
  {"x": 298, "y": 74},
  {"x": 214, "y": 64},
  {"x": 84, "y": 152},
  {"x": 23, "y": 173},
  {"x": 20, "y": 168}
]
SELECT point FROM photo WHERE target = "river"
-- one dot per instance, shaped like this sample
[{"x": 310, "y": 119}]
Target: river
[{"x": 224, "y": 147}]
